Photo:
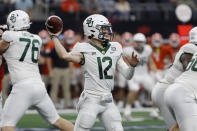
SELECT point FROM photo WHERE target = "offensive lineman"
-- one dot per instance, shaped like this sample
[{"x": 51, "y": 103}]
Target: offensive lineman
[
  {"x": 183, "y": 106},
  {"x": 21, "y": 51},
  {"x": 98, "y": 58},
  {"x": 180, "y": 63}
]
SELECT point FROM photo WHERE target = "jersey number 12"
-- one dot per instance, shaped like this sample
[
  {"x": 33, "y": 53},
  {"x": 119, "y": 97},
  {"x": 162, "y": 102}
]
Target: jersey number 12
[
  {"x": 34, "y": 49},
  {"x": 101, "y": 72}
]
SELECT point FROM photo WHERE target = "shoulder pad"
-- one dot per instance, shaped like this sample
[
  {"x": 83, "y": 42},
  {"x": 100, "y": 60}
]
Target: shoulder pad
[{"x": 8, "y": 36}]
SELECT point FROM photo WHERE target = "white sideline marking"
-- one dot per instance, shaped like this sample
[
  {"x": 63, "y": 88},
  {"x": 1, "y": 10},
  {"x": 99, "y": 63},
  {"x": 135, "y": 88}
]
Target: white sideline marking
[{"x": 73, "y": 111}]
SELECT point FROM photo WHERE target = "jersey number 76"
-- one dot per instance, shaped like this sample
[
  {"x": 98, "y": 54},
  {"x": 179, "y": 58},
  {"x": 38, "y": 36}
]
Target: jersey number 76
[{"x": 34, "y": 49}]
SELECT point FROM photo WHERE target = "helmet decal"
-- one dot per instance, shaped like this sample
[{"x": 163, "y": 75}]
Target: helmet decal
[
  {"x": 89, "y": 22},
  {"x": 13, "y": 18}
]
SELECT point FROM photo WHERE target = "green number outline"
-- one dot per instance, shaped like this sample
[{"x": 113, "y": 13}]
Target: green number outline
[
  {"x": 193, "y": 66},
  {"x": 28, "y": 41},
  {"x": 104, "y": 59},
  {"x": 108, "y": 67},
  {"x": 34, "y": 49}
]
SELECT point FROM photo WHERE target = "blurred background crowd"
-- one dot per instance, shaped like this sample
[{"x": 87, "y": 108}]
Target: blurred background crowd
[{"x": 156, "y": 19}]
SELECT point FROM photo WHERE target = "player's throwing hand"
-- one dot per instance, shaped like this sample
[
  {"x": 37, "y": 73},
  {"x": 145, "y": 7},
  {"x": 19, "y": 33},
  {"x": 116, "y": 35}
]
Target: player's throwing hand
[{"x": 133, "y": 61}]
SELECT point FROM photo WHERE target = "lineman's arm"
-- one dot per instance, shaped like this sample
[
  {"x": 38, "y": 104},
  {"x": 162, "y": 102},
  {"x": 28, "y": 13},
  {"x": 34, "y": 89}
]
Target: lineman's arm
[
  {"x": 75, "y": 57},
  {"x": 126, "y": 66},
  {"x": 3, "y": 44},
  {"x": 185, "y": 59}
]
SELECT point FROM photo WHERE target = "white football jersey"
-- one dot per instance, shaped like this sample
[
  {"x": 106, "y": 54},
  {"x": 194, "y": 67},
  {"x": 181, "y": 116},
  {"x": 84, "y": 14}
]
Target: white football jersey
[
  {"x": 22, "y": 55},
  {"x": 188, "y": 78},
  {"x": 99, "y": 65},
  {"x": 144, "y": 56},
  {"x": 177, "y": 68}
]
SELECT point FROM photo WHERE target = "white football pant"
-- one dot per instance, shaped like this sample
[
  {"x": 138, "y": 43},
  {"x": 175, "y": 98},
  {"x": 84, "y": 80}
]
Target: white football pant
[{"x": 182, "y": 103}]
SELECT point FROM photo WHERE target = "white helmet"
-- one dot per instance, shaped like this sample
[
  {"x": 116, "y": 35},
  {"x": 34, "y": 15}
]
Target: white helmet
[
  {"x": 18, "y": 20},
  {"x": 97, "y": 26},
  {"x": 193, "y": 35},
  {"x": 139, "y": 40},
  {"x": 139, "y": 37}
]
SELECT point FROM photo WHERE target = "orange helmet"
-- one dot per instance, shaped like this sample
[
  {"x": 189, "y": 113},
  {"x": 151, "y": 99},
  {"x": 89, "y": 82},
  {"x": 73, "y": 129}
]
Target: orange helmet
[
  {"x": 44, "y": 36},
  {"x": 69, "y": 36},
  {"x": 157, "y": 40},
  {"x": 174, "y": 40},
  {"x": 127, "y": 38}
]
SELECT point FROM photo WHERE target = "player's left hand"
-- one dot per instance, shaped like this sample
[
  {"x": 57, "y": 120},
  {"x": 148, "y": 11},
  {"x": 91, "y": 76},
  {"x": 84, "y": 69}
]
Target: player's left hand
[{"x": 133, "y": 61}]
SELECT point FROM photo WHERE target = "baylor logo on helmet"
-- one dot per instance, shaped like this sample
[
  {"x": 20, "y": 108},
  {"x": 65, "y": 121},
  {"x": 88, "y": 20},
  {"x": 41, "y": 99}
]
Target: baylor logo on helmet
[
  {"x": 89, "y": 22},
  {"x": 13, "y": 18}
]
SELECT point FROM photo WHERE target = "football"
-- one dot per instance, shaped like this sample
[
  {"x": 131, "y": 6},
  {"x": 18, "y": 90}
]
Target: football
[{"x": 54, "y": 24}]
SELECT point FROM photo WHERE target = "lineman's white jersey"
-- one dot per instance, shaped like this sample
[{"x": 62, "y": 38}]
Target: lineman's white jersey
[
  {"x": 177, "y": 68},
  {"x": 22, "y": 55},
  {"x": 142, "y": 67},
  {"x": 99, "y": 66},
  {"x": 188, "y": 78}
]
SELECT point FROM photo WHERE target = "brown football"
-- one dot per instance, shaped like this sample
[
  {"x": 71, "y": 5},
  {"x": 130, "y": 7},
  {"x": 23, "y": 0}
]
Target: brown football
[{"x": 54, "y": 24}]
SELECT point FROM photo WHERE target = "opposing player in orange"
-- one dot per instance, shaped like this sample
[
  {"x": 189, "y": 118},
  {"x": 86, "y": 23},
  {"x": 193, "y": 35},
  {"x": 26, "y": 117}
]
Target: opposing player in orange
[
  {"x": 174, "y": 41},
  {"x": 126, "y": 40},
  {"x": 44, "y": 49},
  {"x": 162, "y": 54}
]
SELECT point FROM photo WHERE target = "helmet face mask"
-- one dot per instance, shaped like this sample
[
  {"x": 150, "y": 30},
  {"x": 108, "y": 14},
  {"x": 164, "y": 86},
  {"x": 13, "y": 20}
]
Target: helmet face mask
[
  {"x": 69, "y": 37},
  {"x": 139, "y": 41},
  {"x": 156, "y": 43},
  {"x": 127, "y": 38},
  {"x": 157, "y": 40},
  {"x": 105, "y": 32},
  {"x": 44, "y": 36},
  {"x": 139, "y": 45},
  {"x": 98, "y": 27},
  {"x": 174, "y": 40}
]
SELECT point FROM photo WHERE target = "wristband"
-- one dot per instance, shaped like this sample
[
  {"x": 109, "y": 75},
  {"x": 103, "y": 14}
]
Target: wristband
[{"x": 53, "y": 36}]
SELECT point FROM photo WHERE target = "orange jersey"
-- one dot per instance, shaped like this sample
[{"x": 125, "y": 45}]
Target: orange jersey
[
  {"x": 47, "y": 49},
  {"x": 162, "y": 56},
  {"x": 2, "y": 65}
]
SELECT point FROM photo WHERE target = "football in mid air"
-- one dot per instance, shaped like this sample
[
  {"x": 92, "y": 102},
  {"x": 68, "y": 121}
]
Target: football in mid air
[{"x": 54, "y": 24}]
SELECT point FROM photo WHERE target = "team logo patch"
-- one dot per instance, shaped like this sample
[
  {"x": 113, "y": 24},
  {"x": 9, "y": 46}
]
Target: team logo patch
[{"x": 113, "y": 48}]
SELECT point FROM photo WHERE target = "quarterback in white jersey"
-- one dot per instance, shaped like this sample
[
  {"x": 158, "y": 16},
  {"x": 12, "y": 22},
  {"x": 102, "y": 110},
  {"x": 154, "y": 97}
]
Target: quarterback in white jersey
[
  {"x": 99, "y": 58},
  {"x": 21, "y": 51},
  {"x": 181, "y": 59},
  {"x": 144, "y": 53}
]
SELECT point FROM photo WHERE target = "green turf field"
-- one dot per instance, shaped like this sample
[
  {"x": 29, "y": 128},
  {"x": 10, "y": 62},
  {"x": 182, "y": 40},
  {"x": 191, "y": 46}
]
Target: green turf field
[{"x": 35, "y": 121}]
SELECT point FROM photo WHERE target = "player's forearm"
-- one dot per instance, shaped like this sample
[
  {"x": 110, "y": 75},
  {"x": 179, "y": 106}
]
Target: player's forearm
[
  {"x": 3, "y": 45},
  {"x": 152, "y": 65},
  {"x": 126, "y": 70},
  {"x": 61, "y": 51},
  {"x": 63, "y": 54}
]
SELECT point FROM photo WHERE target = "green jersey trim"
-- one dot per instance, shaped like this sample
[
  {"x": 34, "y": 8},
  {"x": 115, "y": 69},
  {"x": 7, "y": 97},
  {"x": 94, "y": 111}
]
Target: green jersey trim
[{"x": 102, "y": 50}]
